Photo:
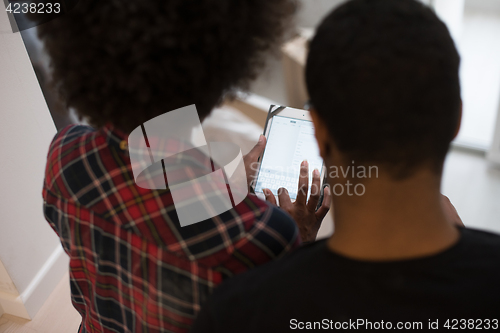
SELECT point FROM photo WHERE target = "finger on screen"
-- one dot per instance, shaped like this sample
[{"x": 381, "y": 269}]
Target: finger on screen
[
  {"x": 325, "y": 205},
  {"x": 269, "y": 196},
  {"x": 303, "y": 183},
  {"x": 284, "y": 199},
  {"x": 315, "y": 191}
]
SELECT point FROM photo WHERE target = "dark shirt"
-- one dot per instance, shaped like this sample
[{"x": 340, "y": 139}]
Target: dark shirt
[
  {"x": 133, "y": 268},
  {"x": 314, "y": 284}
]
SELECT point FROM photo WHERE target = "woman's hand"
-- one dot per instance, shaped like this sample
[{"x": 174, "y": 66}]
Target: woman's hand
[
  {"x": 250, "y": 159},
  {"x": 304, "y": 212}
]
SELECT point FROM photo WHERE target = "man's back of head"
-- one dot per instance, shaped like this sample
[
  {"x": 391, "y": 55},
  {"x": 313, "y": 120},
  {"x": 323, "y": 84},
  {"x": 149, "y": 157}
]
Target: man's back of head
[{"x": 384, "y": 77}]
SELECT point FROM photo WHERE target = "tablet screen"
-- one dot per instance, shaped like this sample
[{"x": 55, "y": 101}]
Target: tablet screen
[{"x": 290, "y": 141}]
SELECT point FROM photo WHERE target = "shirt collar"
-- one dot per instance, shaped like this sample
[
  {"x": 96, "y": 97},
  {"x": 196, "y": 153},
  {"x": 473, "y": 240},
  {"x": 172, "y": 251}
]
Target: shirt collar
[
  {"x": 115, "y": 137},
  {"x": 119, "y": 139}
]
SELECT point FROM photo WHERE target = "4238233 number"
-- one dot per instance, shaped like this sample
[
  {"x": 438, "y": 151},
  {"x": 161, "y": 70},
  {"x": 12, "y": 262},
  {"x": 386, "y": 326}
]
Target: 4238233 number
[
  {"x": 39, "y": 8},
  {"x": 471, "y": 324}
]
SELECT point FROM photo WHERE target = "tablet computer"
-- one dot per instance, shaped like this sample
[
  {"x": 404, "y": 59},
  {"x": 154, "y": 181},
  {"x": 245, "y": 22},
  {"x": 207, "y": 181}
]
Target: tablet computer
[{"x": 290, "y": 140}]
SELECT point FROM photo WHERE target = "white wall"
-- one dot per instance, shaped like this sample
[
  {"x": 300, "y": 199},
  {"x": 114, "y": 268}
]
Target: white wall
[
  {"x": 29, "y": 249},
  {"x": 312, "y": 11},
  {"x": 451, "y": 12},
  {"x": 483, "y": 4}
]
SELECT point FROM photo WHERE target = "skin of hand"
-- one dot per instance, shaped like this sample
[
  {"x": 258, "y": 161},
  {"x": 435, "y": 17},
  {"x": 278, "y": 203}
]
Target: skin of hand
[
  {"x": 451, "y": 212},
  {"x": 304, "y": 212},
  {"x": 251, "y": 160}
]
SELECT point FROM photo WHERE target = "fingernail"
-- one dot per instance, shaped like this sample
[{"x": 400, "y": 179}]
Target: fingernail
[
  {"x": 261, "y": 138},
  {"x": 327, "y": 190},
  {"x": 266, "y": 191},
  {"x": 315, "y": 173},
  {"x": 304, "y": 163}
]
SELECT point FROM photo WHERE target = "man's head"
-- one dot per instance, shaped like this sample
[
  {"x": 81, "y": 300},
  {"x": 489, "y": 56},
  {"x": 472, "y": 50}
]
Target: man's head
[
  {"x": 383, "y": 80},
  {"x": 127, "y": 61}
]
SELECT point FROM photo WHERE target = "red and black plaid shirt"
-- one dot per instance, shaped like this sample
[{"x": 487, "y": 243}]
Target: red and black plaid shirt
[{"x": 133, "y": 268}]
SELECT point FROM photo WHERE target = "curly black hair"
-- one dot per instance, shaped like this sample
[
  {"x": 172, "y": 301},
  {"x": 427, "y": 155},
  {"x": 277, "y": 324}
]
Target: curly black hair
[
  {"x": 126, "y": 61},
  {"x": 384, "y": 76}
]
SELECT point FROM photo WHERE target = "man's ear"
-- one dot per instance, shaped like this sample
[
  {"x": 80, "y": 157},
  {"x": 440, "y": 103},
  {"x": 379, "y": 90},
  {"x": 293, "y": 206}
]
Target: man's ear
[
  {"x": 459, "y": 123},
  {"x": 321, "y": 133}
]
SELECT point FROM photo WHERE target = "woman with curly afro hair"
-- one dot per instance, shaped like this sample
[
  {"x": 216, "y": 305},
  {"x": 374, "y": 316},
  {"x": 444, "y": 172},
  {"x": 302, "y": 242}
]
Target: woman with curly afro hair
[{"x": 118, "y": 64}]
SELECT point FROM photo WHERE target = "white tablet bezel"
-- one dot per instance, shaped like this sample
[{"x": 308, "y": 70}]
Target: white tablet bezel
[{"x": 294, "y": 114}]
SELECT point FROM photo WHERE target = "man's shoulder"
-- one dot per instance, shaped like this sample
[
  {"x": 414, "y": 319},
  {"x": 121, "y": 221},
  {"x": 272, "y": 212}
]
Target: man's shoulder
[
  {"x": 480, "y": 244},
  {"x": 481, "y": 239},
  {"x": 261, "y": 279},
  {"x": 477, "y": 248}
]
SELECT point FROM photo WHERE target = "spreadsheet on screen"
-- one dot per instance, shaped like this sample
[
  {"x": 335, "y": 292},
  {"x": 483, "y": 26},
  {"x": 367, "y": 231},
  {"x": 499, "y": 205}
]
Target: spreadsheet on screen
[{"x": 290, "y": 141}]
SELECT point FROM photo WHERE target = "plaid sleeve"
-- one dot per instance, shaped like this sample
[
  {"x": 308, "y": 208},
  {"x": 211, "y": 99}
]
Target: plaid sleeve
[{"x": 271, "y": 236}]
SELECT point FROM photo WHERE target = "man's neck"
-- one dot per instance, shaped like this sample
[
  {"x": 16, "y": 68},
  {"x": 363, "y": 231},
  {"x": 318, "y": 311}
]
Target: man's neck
[{"x": 393, "y": 220}]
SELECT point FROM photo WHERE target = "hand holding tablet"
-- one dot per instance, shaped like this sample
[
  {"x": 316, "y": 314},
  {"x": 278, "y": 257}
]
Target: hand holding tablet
[
  {"x": 288, "y": 164},
  {"x": 290, "y": 140}
]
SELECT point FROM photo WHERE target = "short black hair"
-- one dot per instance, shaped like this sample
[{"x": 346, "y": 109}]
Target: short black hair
[
  {"x": 127, "y": 61},
  {"x": 384, "y": 76}
]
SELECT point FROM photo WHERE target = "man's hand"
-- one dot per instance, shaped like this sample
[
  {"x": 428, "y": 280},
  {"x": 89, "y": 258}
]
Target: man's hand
[
  {"x": 250, "y": 159},
  {"x": 304, "y": 213},
  {"x": 451, "y": 212}
]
